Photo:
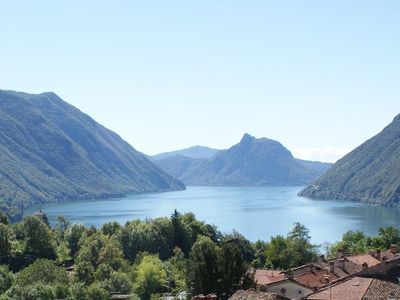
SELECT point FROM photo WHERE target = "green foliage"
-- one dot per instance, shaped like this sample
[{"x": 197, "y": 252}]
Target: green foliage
[
  {"x": 3, "y": 218},
  {"x": 95, "y": 291},
  {"x": 150, "y": 277},
  {"x": 51, "y": 151},
  {"x": 90, "y": 249},
  {"x": 6, "y": 279},
  {"x": 5, "y": 242},
  {"x": 370, "y": 173},
  {"x": 111, "y": 228},
  {"x": 292, "y": 251},
  {"x": 62, "y": 252},
  {"x": 62, "y": 225},
  {"x": 118, "y": 282},
  {"x": 215, "y": 263},
  {"x": 204, "y": 266},
  {"x": 259, "y": 261},
  {"x": 176, "y": 268},
  {"x": 78, "y": 291},
  {"x": 42, "y": 271},
  {"x": 111, "y": 254},
  {"x": 85, "y": 272},
  {"x": 357, "y": 242},
  {"x": 31, "y": 292},
  {"x": 104, "y": 272},
  {"x": 72, "y": 237},
  {"x": 40, "y": 240}
]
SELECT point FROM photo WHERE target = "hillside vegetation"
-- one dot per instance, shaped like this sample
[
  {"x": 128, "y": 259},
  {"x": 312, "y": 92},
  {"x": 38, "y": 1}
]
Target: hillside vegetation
[
  {"x": 51, "y": 151},
  {"x": 369, "y": 174},
  {"x": 251, "y": 162}
]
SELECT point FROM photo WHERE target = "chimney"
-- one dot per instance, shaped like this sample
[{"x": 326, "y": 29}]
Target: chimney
[
  {"x": 378, "y": 254},
  {"x": 340, "y": 253},
  {"x": 364, "y": 266},
  {"x": 321, "y": 258},
  {"x": 342, "y": 263},
  {"x": 326, "y": 279},
  {"x": 289, "y": 274},
  {"x": 393, "y": 248},
  {"x": 309, "y": 268},
  {"x": 332, "y": 266}
]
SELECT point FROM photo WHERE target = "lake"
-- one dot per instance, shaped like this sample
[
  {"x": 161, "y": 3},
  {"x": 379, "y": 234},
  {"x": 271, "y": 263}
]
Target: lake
[{"x": 256, "y": 212}]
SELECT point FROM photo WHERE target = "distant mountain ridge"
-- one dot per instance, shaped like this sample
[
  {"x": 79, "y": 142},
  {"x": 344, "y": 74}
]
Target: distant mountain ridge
[
  {"x": 370, "y": 173},
  {"x": 51, "y": 151},
  {"x": 195, "y": 152},
  {"x": 250, "y": 162}
]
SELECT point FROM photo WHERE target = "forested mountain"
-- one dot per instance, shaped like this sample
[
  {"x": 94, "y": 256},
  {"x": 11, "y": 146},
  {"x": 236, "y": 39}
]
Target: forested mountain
[
  {"x": 51, "y": 151},
  {"x": 370, "y": 173},
  {"x": 192, "y": 152},
  {"x": 251, "y": 162}
]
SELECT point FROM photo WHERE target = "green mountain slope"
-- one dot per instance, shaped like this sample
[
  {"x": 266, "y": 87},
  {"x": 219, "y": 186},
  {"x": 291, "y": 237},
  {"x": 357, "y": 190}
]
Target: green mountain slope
[
  {"x": 251, "y": 162},
  {"x": 370, "y": 173},
  {"x": 51, "y": 151}
]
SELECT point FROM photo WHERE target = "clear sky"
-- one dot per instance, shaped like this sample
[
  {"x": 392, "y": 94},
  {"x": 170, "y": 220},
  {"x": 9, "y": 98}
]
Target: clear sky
[{"x": 319, "y": 76}]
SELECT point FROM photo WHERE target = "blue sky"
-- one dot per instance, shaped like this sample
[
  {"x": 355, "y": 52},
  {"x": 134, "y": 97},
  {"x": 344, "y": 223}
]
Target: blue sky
[{"x": 319, "y": 76}]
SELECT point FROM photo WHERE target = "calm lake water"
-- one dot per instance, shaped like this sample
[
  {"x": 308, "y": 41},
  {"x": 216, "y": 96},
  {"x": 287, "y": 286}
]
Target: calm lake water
[{"x": 256, "y": 212}]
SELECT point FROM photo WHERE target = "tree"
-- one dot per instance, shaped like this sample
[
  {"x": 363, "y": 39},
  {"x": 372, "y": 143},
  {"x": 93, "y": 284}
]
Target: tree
[
  {"x": 204, "y": 266},
  {"x": 62, "y": 252},
  {"x": 5, "y": 243},
  {"x": 232, "y": 266},
  {"x": 389, "y": 236},
  {"x": 151, "y": 277},
  {"x": 39, "y": 238},
  {"x": 31, "y": 292},
  {"x": 6, "y": 279},
  {"x": 180, "y": 233},
  {"x": 78, "y": 291},
  {"x": 42, "y": 271},
  {"x": 292, "y": 251},
  {"x": 111, "y": 228},
  {"x": 3, "y": 218},
  {"x": 85, "y": 272},
  {"x": 62, "y": 225},
  {"x": 119, "y": 283},
  {"x": 111, "y": 254},
  {"x": 176, "y": 268},
  {"x": 103, "y": 272},
  {"x": 90, "y": 249},
  {"x": 95, "y": 291},
  {"x": 72, "y": 237}
]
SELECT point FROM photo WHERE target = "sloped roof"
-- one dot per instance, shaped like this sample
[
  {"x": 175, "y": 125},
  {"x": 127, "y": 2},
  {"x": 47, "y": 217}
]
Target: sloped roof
[
  {"x": 351, "y": 289},
  {"x": 253, "y": 295},
  {"x": 380, "y": 289},
  {"x": 360, "y": 259},
  {"x": 265, "y": 277},
  {"x": 359, "y": 288},
  {"x": 315, "y": 278}
]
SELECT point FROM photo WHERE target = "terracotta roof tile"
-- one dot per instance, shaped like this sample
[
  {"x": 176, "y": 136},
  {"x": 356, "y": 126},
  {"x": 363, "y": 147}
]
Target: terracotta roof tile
[
  {"x": 253, "y": 295},
  {"x": 351, "y": 289},
  {"x": 264, "y": 277},
  {"x": 380, "y": 289},
  {"x": 315, "y": 278},
  {"x": 360, "y": 259}
]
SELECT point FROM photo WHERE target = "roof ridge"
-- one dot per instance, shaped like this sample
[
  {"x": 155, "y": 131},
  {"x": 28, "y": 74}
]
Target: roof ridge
[{"x": 369, "y": 286}]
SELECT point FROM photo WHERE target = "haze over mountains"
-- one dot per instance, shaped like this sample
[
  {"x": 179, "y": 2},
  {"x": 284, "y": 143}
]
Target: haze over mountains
[
  {"x": 251, "y": 162},
  {"x": 51, "y": 151},
  {"x": 370, "y": 173},
  {"x": 192, "y": 152}
]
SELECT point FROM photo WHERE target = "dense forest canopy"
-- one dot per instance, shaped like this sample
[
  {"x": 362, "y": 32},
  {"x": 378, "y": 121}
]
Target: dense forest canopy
[{"x": 145, "y": 259}]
